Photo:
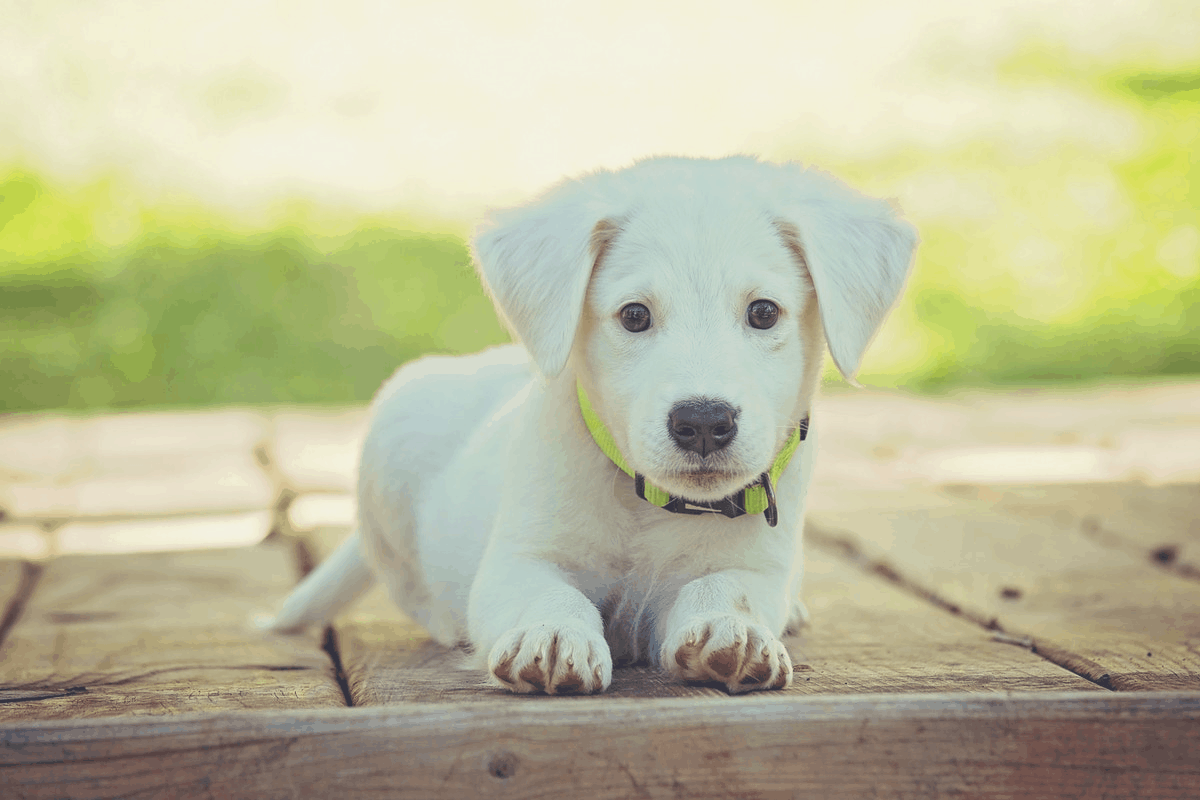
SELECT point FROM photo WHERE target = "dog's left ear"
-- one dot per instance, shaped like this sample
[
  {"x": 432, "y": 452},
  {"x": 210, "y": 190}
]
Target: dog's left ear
[
  {"x": 536, "y": 262},
  {"x": 858, "y": 253}
]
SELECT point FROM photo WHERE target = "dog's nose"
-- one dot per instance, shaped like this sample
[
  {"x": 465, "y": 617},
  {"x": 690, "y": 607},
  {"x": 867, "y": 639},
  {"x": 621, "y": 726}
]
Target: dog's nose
[{"x": 702, "y": 426}]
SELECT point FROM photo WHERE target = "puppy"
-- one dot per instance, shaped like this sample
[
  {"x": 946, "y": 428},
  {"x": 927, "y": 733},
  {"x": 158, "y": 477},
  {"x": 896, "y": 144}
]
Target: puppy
[{"x": 628, "y": 485}]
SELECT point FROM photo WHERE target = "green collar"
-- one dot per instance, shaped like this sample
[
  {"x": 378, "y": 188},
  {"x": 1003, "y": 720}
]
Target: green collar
[{"x": 757, "y": 498}]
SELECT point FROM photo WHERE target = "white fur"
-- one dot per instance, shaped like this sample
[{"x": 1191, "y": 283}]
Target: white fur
[{"x": 494, "y": 519}]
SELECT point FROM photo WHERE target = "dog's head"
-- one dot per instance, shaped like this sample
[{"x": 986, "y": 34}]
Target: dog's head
[{"x": 694, "y": 300}]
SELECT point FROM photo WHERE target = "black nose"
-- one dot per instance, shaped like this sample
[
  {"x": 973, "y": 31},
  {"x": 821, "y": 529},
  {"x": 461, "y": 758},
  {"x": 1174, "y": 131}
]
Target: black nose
[{"x": 702, "y": 426}]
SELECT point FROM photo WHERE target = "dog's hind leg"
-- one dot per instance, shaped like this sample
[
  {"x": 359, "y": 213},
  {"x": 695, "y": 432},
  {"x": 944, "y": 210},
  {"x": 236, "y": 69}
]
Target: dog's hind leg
[{"x": 336, "y": 583}]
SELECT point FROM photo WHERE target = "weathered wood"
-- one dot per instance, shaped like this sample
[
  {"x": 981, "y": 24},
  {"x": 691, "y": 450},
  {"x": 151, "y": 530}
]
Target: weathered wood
[
  {"x": 182, "y": 531},
  {"x": 69, "y": 466},
  {"x": 1160, "y": 523},
  {"x": 196, "y": 482},
  {"x": 1083, "y": 570},
  {"x": 867, "y": 636},
  {"x": 1099, "y": 745},
  {"x": 17, "y": 581},
  {"x": 24, "y": 540},
  {"x": 11, "y": 576},
  {"x": 318, "y": 448},
  {"x": 889, "y": 440},
  {"x": 1094, "y": 609},
  {"x": 159, "y": 633}
]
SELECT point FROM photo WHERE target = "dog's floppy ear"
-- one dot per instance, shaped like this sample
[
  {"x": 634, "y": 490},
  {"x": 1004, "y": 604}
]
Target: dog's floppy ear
[
  {"x": 536, "y": 261},
  {"x": 858, "y": 254}
]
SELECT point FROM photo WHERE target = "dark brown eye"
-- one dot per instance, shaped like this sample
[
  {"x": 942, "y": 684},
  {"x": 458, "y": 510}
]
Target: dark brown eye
[
  {"x": 762, "y": 314},
  {"x": 635, "y": 317}
]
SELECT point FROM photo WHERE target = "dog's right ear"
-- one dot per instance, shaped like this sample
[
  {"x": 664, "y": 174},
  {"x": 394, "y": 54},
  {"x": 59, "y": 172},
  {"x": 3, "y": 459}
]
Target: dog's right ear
[{"x": 536, "y": 262}]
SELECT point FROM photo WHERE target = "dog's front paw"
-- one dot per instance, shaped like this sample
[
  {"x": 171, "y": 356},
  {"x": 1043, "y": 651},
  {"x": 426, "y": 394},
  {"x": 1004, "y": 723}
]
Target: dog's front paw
[
  {"x": 556, "y": 659},
  {"x": 743, "y": 656}
]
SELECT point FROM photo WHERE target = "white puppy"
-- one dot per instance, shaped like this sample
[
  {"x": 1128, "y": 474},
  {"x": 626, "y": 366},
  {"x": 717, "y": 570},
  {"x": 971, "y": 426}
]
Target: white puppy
[{"x": 544, "y": 504}]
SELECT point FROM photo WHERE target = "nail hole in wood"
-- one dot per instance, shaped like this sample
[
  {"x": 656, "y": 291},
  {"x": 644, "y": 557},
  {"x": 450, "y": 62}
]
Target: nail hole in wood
[
  {"x": 1167, "y": 554},
  {"x": 503, "y": 765}
]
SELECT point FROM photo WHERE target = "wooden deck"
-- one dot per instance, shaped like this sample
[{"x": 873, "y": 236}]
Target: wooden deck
[{"x": 1005, "y": 590}]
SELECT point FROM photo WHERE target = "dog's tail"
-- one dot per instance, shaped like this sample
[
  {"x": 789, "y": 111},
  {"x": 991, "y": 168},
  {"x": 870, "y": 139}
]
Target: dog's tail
[{"x": 336, "y": 583}]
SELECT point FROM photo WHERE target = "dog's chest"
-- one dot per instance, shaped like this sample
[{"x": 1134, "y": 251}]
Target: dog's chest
[{"x": 655, "y": 551}]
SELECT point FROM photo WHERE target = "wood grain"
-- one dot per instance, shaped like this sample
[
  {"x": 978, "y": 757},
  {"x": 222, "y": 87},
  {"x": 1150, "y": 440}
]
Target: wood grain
[
  {"x": 867, "y": 637},
  {"x": 1117, "y": 619},
  {"x": 12, "y": 574},
  {"x": 159, "y": 633},
  {"x": 1159, "y": 523},
  {"x": 17, "y": 582},
  {"x": 923, "y": 747}
]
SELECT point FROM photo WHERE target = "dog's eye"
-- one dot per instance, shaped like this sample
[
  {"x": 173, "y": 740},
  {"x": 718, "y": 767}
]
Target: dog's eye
[
  {"x": 635, "y": 317},
  {"x": 762, "y": 314}
]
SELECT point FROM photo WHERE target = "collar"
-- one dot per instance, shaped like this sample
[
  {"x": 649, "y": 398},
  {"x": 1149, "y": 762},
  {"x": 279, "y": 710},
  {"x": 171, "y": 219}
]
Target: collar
[{"x": 757, "y": 498}]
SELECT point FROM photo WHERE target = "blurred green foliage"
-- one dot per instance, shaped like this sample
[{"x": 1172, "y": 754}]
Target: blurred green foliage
[
  {"x": 234, "y": 320},
  {"x": 1053, "y": 263}
]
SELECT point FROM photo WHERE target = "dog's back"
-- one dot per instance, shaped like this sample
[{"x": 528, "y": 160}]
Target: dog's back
[{"x": 423, "y": 420}]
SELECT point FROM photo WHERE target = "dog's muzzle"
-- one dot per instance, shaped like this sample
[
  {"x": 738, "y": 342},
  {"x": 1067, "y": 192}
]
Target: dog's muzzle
[{"x": 756, "y": 498}]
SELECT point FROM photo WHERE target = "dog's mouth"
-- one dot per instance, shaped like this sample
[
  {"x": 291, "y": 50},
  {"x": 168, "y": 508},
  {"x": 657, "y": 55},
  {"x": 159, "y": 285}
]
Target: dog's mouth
[
  {"x": 706, "y": 474},
  {"x": 705, "y": 484}
]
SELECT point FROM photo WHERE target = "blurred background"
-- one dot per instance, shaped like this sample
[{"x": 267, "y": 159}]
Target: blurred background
[{"x": 267, "y": 202}]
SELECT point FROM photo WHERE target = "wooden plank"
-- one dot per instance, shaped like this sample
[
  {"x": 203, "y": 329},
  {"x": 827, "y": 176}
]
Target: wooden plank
[
  {"x": 1137, "y": 431},
  {"x": 996, "y": 747},
  {"x": 171, "y": 532},
  {"x": 24, "y": 541},
  {"x": 125, "y": 464},
  {"x": 1161, "y": 523},
  {"x": 159, "y": 633},
  {"x": 190, "y": 482},
  {"x": 1093, "y": 609},
  {"x": 317, "y": 449},
  {"x": 17, "y": 581},
  {"x": 867, "y": 636},
  {"x": 11, "y": 577}
]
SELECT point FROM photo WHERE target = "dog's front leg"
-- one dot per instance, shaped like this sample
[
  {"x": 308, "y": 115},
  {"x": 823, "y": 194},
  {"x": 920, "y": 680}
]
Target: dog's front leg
[
  {"x": 724, "y": 627},
  {"x": 540, "y": 633}
]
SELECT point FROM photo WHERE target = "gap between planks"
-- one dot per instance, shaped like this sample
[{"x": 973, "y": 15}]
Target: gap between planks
[
  {"x": 14, "y": 606},
  {"x": 159, "y": 633},
  {"x": 306, "y": 562},
  {"x": 1071, "y": 570},
  {"x": 844, "y": 547}
]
